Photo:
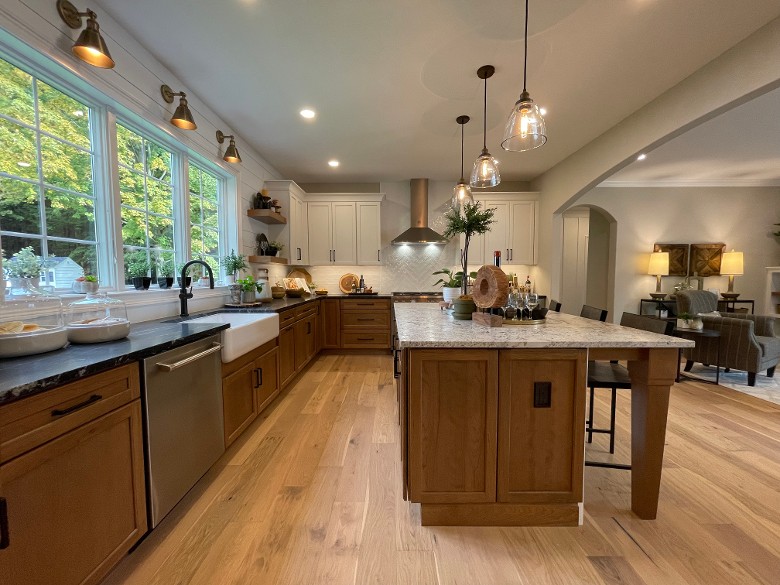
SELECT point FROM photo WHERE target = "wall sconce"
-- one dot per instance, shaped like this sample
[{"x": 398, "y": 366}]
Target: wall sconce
[
  {"x": 231, "y": 152},
  {"x": 90, "y": 46},
  {"x": 732, "y": 263},
  {"x": 658, "y": 267},
  {"x": 182, "y": 117}
]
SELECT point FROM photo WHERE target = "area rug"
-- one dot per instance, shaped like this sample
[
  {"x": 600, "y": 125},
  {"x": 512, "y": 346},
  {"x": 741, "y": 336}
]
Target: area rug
[{"x": 765, "y": 388}]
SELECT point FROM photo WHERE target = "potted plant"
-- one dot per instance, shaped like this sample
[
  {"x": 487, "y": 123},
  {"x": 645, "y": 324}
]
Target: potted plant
[
  {"x": 86, "y": 284},
  {"x": 274, "y": 247},
  {"x": 451, "y": 285},
  {"x": 689, "y": 321},
  {"x": 249, "y": 288},
  {"x": 233, "y": 263},
  {"x": 469, "y": 220},
  {"x": 24, "y": 269},
  {"x": 138, "y": 270},
  {"x": 187, "y": 279},
  {"x": 165, "y": 270}
]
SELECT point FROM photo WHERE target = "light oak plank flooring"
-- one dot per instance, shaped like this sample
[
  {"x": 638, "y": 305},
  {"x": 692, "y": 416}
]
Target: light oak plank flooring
[{"x": 311, "y": 494}]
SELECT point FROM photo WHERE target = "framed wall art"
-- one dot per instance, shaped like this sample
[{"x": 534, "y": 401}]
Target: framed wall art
[
  {"x": 705, "y": 259},
  {"x": 678, "y": 257}
]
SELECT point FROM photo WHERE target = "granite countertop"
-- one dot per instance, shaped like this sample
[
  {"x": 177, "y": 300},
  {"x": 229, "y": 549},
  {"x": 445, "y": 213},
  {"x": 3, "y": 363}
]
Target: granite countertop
[{"x": 425, "y": 325}]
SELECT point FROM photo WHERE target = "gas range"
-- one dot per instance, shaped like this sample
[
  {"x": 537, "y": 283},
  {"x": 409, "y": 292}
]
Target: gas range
[{"x": 417, "y": 297}]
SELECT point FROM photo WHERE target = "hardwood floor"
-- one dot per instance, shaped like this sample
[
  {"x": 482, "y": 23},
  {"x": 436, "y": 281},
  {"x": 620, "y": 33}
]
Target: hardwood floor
[{"x": 311, "y": 494}]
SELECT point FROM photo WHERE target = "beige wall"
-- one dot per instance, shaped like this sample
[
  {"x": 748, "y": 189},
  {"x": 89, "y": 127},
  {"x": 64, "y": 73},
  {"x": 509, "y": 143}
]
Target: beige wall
[{"x": 741, "y": 218}]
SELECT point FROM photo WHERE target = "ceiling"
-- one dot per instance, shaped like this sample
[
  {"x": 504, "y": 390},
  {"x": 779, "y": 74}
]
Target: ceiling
[
  {"x": 388, "y": 79},
  {"x": 738, "y": 148}
]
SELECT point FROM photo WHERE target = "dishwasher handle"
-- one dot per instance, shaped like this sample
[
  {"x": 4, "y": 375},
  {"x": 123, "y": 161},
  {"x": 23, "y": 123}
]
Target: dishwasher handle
[{"x": 215, "y": 347}]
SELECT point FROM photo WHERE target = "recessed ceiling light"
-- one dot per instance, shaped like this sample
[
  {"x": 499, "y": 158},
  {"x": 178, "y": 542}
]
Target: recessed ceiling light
[
  {"x": 21, "y": 163},
  {"x": 333, "y": 163},
  {"x": 642, "y": 156},
  {"x": 308, "y": 113},
  {"x": 543, "y": 111}
]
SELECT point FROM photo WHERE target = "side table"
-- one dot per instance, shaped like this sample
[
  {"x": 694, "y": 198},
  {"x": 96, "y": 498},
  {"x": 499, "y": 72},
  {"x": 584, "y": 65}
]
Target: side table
[{"x": 695, "y": 335}]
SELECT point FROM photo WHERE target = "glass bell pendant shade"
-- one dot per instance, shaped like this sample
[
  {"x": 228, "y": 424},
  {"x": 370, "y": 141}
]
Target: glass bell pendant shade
[
  {"x": 461, "y": 194},
  {"x": 525, "y": 128},
  {"x": 485, "y": 172}
]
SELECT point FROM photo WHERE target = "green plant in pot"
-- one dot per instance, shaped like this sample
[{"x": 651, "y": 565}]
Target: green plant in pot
[
  {"x": 165, "y": 270},
  {"x": 274, "y": 248},
  {"x": 23, "y": 269},
  {"x": 249, "y": 286},
  {"x": 138, "y": 268},
  {"x": 86, "y": 284},
  {"x": 470, "y": 219},
  {"x": 233, "y": 263},
  {"x": 451, "y": 285}
]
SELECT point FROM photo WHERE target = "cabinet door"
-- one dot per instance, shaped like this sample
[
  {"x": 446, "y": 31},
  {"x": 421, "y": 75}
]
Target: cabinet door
[
  {"x": 540, "y": 425},
  {"x": 76, "y": 504},
  {"x": 320, "y": 233},
  {"x": 239, "y": 403},
  {"x": 305, "y": 332},
  {"x": 369, "y": 228},
  {"x": 522, "y": 245},
  {"x": 302, "y": 229},
  {"x": 498, "y": 236},
  {"x": 331, "y": 323},
  {"x": 453, "y": 396},
  {"x": 286, "y": 354},
  {"x": 267, "y": 388},
  {"x": 344, "y": 233}
]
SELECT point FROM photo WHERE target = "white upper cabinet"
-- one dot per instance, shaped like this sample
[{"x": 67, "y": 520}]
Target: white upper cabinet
[
  {"x": 513, "y": 232},
  {"x": 369, "y": 227},
  {"x": 293, "y": 201},
  {"x": 344, "y": 229}
]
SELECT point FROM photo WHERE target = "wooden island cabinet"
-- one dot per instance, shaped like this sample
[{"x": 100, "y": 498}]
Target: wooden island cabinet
[{"x": 72, "y": 480}]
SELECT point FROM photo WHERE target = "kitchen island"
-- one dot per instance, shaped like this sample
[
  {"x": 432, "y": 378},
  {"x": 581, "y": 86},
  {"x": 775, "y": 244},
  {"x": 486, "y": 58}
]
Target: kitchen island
[{"x": 493, "y": 419}]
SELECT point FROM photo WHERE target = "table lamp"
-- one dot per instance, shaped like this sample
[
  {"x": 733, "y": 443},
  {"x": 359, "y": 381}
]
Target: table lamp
[
  {"x": 658, "y": 267},
  {"x": 731, "y": 264}
]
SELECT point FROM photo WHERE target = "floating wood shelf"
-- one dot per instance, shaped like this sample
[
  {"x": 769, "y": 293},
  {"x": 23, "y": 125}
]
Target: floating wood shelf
[
  {"x": 267, "y": 260},
  {"x": 266, "y": 216}
]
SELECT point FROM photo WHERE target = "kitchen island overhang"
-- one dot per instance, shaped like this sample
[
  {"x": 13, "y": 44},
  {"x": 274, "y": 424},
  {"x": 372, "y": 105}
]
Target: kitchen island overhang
[{"x": 493, "y": 419}]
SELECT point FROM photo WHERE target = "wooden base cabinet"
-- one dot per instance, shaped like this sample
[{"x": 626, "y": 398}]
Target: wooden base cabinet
[
  {"x": 330, "y": 312},
  {"x": 75, "y": 503},
  {"x": 248, "y": 385},
  {"x": 494, "y": 437}
]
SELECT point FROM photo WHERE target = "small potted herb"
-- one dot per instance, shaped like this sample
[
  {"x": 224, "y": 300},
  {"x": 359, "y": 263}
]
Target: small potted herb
[
  {"x": 86, "y": 284},
  {"x": 233, "y": 263},
  {"x": 138, "y": 271},
  {"x": 165, "y": 270},
  {"x": 451, "y": 285},
  {"x": 24, "y": 269},
  {"x": 274, "y": 247},
  {"x": 249, "y": 288},
  {"x": 187, "y": 279}
]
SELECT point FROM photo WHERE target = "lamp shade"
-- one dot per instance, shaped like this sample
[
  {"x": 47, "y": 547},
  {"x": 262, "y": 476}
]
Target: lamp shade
[
  {"x": 732, "y": 263},
  {"x": 182, "y": 117},
  {"x": 91, "y": 48},
  {"x": 659, "y": 264},
  {"x": 525, "y": 128}
]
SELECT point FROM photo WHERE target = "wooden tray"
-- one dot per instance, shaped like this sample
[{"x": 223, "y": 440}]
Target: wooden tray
[{"x": 512, "y": 322}]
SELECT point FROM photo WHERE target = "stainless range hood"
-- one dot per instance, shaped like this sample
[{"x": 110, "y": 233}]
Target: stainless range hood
[{"x": 419, "y": 233}]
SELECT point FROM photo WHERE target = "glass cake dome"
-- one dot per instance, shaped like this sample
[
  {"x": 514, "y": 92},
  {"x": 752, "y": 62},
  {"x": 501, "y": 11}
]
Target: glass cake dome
[
  {"x": 96, "y": 319},
  {"x": 31, "y": 322}
]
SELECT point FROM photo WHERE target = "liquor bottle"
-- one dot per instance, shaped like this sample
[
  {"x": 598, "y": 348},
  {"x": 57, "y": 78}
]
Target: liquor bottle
[
  {"x": 362, "y": 285},
  {"x": 497, "y": 258}
]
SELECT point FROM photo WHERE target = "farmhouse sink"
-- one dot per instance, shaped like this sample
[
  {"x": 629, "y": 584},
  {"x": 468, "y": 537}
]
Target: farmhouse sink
[{"x": 247, "y": 331}]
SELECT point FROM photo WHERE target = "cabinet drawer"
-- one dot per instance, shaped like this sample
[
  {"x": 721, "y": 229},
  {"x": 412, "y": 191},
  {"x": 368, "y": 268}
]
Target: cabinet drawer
[
  {"x": 30, "y": 422},
  {"x": 287, "y": 317},
  {"x": 364, "y": 304},
  {"x": 306, "y": 310},
  {"x": 369, "y": 339},
  {"x": 372, "y": 319}
]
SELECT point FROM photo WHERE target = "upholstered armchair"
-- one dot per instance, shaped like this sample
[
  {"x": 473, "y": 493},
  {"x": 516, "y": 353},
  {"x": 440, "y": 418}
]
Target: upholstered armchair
[{"x": 747, "y": 342}]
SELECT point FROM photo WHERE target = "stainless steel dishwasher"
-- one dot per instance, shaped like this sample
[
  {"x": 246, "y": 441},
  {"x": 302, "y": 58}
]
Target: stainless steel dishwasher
[{"x": 183, "y": 421}]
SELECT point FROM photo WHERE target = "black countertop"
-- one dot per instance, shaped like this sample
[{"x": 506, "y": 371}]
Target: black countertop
[{"x": 25, "y": 376}]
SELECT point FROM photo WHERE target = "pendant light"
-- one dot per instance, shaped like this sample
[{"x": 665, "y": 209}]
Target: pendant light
[
  {"x": 90, "y": 46},
  {"x": 485, "y": 172},
  {"x": 182, "y": 117},
  {"x": 231, "y": 152},
  {"x": 462, "y": 192},
  {"x": 525, "y": 128}
]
